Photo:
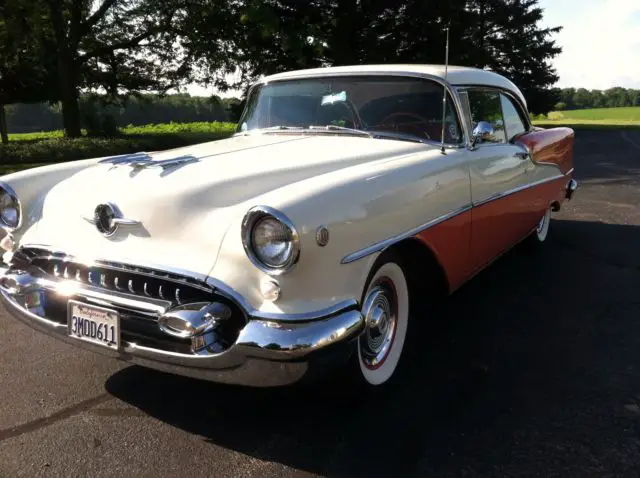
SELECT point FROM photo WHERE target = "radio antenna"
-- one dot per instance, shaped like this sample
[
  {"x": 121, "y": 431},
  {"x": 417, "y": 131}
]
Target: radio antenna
[{"x": 444, "y": 95}]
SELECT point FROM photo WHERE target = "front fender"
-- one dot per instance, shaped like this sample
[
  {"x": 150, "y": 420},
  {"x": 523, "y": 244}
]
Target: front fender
[
  {"x": 32, "y": 185},
  {"x": 360, "y": 206}
]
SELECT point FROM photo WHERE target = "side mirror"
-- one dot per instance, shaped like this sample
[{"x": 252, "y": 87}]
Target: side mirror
[{"x": 482, "y": 132}]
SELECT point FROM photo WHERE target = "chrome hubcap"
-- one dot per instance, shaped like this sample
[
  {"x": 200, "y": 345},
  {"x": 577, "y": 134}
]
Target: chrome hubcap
[{"x": 381, "y": 312}]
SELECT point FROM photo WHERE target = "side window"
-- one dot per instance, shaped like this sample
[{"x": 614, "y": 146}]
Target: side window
[
  {"x": 512, "y": 120},
  {"x": 485, "y": 107}
]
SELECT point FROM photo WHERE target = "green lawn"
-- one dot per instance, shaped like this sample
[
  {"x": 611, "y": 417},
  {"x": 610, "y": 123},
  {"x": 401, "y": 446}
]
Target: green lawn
[
  {"x": 156, "y": 129},
  {"x": 36, "y": 149},
  {"x": 594, "y": 118}
]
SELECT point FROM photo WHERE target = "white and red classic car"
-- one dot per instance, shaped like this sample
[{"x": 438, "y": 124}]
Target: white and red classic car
[{"x": 298, "y": 243}]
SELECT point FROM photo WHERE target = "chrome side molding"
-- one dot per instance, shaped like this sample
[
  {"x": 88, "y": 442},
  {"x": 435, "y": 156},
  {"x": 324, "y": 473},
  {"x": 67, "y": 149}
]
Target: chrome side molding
[{"x": 379, "y": 246}]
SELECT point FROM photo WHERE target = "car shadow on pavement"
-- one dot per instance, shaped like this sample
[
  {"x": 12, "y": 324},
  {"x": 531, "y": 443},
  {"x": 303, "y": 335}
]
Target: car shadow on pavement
[{"x": 515, "y": 366}]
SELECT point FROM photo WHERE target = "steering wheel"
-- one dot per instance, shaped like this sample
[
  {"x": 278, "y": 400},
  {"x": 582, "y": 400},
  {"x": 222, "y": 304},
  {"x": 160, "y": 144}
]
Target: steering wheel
[{"x": 404, "y": 114}]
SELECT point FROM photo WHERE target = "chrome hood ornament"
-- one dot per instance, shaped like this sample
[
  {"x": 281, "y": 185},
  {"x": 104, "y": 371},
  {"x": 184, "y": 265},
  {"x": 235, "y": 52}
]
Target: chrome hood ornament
[
  {"x": 107, "y": 218},
  {"x": 143, "y": 161}
]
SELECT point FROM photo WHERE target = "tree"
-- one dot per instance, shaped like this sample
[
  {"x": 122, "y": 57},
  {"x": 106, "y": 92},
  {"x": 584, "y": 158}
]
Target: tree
[
  {"x": 616, "y": 97},
  {"x": 502, "y": 35},
  {"x": 25, "y": 66},
  {"x": 582, "y": 98},
  {"x": 114, "y": 46},
  {"x": 597, "y": 99}
]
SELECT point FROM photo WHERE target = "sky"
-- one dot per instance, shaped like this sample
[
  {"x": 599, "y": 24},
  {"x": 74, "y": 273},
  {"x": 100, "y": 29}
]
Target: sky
[{"x": 600, "y": 41}]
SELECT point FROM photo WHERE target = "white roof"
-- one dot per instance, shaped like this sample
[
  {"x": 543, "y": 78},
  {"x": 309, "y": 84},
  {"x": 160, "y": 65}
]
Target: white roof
[{"x": 457, "y": 75}]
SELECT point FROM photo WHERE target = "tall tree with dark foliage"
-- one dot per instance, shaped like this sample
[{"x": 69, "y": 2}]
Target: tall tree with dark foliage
[
  {"x": 502, "y": 35},
  {"x": 112, "y": 46},
  {"x": 26, "y": 69}
]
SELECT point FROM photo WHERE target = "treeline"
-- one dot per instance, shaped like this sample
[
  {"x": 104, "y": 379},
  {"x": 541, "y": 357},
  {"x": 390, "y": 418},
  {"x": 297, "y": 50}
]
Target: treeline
[
  {"x": 55, "y": 50},
  {"x": 100, "y": 119},
  {"x": 581, "y": 98}
]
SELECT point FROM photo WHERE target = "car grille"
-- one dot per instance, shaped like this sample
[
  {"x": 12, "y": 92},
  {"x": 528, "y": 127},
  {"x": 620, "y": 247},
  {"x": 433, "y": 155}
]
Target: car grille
[
  {"x": 113, "y": 276},
  {"x": 141, "y": 282}
]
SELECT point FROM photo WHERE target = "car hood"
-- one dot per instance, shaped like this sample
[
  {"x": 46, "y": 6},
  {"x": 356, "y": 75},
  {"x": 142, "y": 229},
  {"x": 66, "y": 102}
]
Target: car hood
[{"x": 184, "y": 210}]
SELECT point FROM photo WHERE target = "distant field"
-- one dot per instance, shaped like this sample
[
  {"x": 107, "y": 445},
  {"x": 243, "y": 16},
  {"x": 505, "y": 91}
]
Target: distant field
[{"x": 600, "y": 117}]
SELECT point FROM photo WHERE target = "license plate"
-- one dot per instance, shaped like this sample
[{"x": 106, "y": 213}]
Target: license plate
[{"x": 94, "y": 324}]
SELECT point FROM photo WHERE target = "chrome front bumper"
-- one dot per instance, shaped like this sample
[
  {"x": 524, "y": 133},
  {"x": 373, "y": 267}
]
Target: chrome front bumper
[{"x": 265, "y": 353}]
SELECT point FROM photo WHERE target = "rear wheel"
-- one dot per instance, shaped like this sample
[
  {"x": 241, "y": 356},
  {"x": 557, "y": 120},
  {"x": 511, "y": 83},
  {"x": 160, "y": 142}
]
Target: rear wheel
[
  {"x": 386, "y": 313},
  {"x": 539, "y": 235},
  {"x": 542, "y": 229}
]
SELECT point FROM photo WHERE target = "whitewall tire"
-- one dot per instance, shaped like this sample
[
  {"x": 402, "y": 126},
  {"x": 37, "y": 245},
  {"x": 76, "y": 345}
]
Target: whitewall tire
[
  {"x": 386, "y": 312},
  {"x": 542, "y": 229}
]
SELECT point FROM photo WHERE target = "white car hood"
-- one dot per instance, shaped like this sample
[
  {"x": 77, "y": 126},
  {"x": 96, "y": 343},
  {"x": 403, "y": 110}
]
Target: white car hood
[{"x": 185, "y": 211}]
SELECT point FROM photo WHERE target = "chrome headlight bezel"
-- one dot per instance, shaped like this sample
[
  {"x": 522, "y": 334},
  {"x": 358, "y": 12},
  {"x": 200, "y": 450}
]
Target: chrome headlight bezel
[
  {"x": 9, "y": 191},
  {"x": 251, "y": 219}
]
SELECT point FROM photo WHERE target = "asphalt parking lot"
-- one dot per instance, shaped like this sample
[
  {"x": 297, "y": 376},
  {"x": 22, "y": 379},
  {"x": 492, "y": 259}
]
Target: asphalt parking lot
[{"x": 533, "y": 368}]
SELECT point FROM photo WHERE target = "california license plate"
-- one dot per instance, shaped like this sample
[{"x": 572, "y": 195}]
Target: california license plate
[{"x": 94, "y": 324}]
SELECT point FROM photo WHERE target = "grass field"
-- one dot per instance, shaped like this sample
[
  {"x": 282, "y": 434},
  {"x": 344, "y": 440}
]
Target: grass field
[
  {"x": 598, "y": 118},
  {"x": 166, "y": 128},
  {"x": 35, "y": 149}
]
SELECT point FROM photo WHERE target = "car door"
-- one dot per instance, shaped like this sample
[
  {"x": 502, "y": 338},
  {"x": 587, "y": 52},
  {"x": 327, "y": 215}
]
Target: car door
[{"x": 497, "y": 170}]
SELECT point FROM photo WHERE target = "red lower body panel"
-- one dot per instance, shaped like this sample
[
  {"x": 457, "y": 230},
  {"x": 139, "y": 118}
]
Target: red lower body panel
[{"x": 469, "y": 241}]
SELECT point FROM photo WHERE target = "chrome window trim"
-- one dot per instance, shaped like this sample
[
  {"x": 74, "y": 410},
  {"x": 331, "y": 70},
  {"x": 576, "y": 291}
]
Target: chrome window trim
[
  {"x": 379, "y": 246},
  {"x": 524, "y": 112},
  {"x": 249, "y": 221},
  {"x": 384, "y": 244},
  {"x": 13, "y": 195},
  {"x": 525, "y": 122},
  {"x": 453, "y": 92}
]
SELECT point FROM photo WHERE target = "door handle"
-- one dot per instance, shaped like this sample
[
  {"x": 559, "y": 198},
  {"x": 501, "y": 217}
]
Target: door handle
[{"x": 522, "y": 155}]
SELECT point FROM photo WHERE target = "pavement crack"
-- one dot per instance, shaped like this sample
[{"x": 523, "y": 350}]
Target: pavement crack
[{"x": 51, "y": 419}]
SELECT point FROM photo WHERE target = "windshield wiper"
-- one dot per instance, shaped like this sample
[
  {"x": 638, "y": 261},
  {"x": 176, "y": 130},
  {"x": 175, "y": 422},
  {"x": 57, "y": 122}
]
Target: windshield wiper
[
  {"x": 343, "y": 129},
  {"x": 398, "y": 136},
  {"x": 370, "y": 134},
  {"x": 333, "y": 127},
  {"x": 268, "y": 129}
]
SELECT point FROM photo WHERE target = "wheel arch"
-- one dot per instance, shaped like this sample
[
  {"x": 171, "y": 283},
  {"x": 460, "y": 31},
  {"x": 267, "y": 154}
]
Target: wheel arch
[{"x": 422, "y": 267}]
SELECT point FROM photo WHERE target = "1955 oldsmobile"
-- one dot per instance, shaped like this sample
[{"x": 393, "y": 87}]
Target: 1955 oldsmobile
[{"x": 300, "y": 244}]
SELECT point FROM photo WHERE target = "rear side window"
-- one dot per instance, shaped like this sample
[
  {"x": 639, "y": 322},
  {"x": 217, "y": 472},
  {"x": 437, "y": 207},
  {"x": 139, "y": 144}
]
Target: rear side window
[
  {"x": 512, "y": 120},
  {"x": 486, "y": 106}
]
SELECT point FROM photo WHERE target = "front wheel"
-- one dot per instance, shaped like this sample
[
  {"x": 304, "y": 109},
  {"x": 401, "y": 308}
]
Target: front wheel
[{"x": 386, "y": 313}]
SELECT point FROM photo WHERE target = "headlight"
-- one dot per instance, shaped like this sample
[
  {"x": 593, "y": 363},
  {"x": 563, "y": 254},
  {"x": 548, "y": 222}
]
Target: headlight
[
  {"x": 9, "y": 208},
  {"x": 270, "y": 240}
]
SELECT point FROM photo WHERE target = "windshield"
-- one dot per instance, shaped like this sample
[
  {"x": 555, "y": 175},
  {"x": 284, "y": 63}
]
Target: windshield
[{"x": 408, "y": 107}]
